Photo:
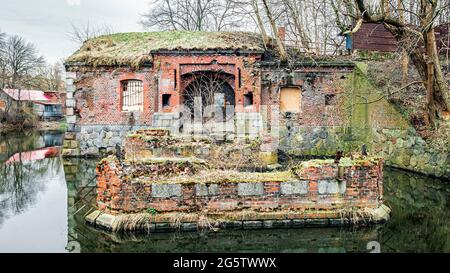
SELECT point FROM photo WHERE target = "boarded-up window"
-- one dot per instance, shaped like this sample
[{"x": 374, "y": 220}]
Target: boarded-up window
[
  {"x": 290, "y": 99},
  {"x": 132, "y": 95}
]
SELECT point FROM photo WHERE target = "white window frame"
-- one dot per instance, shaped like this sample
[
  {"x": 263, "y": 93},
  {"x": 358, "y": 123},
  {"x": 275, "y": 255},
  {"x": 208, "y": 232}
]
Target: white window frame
[{"x": 132, "y": 92}]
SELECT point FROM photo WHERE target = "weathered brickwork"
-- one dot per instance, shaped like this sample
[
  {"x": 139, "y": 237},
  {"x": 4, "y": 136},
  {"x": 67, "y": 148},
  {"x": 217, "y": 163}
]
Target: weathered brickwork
[
  {"x": 317, "y": 188},
  {"x": 97, "y": 99},
  {"x": 319, "y": 104}
]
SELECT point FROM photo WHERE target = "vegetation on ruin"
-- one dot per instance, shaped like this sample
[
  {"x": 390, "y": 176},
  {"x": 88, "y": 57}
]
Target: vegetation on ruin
[
  {"x": 213, "y": 221},
  {"x": 227, "y": 176},
  {"x": 134, "y": 48}
]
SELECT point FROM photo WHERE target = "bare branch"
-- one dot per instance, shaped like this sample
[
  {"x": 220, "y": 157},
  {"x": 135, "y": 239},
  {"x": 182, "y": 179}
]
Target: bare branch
[{"x": 83, "y": 32}]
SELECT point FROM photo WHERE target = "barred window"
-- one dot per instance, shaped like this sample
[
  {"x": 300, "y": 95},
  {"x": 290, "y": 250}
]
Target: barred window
[{"x": 132, "y": 95}]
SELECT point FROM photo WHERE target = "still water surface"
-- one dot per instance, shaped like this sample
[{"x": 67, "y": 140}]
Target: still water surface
[{"x": 44, "y": 198}]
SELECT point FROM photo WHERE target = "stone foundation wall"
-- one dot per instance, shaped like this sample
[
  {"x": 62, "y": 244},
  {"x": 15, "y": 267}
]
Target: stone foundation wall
[
  {"x": 405, "y": 149},
  {"x": 96, "y": 140},
  {"x": 316, "y": 188},
  {"x": 321, "y": 140}
]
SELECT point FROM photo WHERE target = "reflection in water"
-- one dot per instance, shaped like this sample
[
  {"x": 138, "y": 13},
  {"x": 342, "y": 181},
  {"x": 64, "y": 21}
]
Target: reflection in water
[
  {"x": 421, "y": 213},
  {"x": 43, "y": 201},
  {"x": 33, "y": 197},
  {"x": 33, "y": 206}
]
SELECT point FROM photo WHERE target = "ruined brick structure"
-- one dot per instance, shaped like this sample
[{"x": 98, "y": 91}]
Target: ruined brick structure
[
  {"x": 314, "y": 196},
  {"x": 168, "y": 64},
  {"x": 162, "y": 182},
  {"x": 315, "y": 188}
]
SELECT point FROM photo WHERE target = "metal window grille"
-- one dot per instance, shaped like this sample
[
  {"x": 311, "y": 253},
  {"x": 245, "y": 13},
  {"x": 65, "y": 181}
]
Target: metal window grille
[{"x": 132, "y": 95}]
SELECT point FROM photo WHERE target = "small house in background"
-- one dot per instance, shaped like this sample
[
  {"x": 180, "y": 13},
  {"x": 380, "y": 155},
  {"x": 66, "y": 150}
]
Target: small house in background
[
  {"x": 46, "y": 104},
  {"x": 375, "y": 37}
]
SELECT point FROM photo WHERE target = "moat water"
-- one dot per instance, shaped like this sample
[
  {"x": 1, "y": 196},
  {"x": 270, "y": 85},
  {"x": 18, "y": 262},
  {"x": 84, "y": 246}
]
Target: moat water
[{"x": 43, "y": 200}]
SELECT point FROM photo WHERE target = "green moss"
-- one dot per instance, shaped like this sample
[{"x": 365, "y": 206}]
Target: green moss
[
  {"x": 108, "y": 159},
  {"x": 344, "y": 162},
  {"x": 365, "y": 108},
  {"x": 63, "y": 125}
]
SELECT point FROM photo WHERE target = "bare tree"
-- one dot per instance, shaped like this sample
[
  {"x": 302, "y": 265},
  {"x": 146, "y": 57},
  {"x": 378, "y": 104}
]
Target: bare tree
[
  {"x": 82, "y": 32},
  {"x": 294, "y": 10},
  {"x": 3, "y": 67},
  {"x": 21, "y": 60},
  {"x": 2, "y": 60},
  {"x": 415, "y": 35},
  {"x": 49, "y": 77},
  {"x": 198, "y": 15}
]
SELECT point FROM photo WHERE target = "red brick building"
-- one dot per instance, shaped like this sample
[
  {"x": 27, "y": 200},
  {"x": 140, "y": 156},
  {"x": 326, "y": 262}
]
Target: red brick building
[{"x": 128, "y": 81}]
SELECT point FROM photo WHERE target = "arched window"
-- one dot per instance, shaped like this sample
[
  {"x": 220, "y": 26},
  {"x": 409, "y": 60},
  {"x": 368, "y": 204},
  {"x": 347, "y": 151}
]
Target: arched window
[{"x": 132, "y": 95}]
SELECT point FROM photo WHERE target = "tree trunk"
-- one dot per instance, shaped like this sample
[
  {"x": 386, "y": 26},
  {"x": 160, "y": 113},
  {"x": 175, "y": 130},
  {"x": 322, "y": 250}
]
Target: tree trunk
[
  {"x": 430, "y": 71},
  {"x": 283, "y": 54},
  {"x": 260, "y": 22},
  {"x": 428, "y": 64}
]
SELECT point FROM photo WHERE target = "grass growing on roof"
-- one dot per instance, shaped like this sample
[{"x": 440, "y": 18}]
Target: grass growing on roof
[{"x": 133, "y": 48}]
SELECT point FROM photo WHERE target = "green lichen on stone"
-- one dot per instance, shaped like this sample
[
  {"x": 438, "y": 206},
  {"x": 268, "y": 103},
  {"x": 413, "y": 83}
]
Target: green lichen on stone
[
  {"x": 364, "y": 109},
  {"x": 344, "y": 162},
  {"x": 108, "y": 159}
]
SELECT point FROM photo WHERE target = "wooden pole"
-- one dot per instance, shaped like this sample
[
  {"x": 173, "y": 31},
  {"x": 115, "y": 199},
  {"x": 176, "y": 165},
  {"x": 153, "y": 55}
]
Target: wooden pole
[
  {"x": 430, "y": 75},
  {"x": 405, "y": 60}
]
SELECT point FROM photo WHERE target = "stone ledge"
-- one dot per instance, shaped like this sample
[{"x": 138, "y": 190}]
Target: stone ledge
[{"x": 165, "y": 224}]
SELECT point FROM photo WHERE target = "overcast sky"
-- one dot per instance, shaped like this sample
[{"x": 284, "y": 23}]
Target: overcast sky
[{"x": 46, "y": 22}]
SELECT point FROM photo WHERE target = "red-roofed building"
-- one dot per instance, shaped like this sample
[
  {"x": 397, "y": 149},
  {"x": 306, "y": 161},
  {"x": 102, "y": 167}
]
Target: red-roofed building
[{"x": 46, "y": 104}]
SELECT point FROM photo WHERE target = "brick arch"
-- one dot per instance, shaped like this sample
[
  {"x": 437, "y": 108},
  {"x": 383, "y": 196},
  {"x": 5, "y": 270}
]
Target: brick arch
[
  {"x": 188, "y": 78},
  {"x": 226, "y": 83}
]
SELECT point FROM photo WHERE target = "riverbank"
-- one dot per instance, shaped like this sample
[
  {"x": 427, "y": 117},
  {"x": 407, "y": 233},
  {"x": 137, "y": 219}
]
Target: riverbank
[{"x": 60, "y": 125}]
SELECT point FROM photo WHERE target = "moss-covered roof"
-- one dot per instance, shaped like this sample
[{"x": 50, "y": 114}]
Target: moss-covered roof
[{"x": 134, "y": 48}]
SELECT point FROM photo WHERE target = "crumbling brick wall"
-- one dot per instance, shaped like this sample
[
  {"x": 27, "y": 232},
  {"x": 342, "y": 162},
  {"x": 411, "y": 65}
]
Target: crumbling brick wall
[
  {"x": 98, "y": 89},
  {"x": 98, "y": 97},
  {"x": 319, "y": 89},
  {"x": 315, "y": 189}
]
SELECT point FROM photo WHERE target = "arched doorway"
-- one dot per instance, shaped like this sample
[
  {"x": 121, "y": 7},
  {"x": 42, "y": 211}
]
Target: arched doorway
[{"x": 209, "y": 101}]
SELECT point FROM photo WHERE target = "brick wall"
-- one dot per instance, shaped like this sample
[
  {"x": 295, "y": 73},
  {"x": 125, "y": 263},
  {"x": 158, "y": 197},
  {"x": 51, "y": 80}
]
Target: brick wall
[
  {"x": 98, "y": 90},
  {"x": 315, "y": 189},
  {"x": 98, "y": 97},
  {"x": 96, "y": 109},
  {"x": 319, "y": 95}
]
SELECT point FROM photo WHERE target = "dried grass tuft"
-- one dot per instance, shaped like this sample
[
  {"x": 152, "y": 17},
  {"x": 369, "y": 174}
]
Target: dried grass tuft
[{"x": 132, "y": 222}]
